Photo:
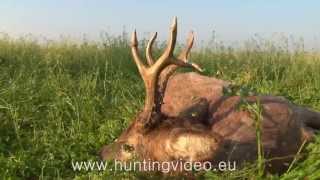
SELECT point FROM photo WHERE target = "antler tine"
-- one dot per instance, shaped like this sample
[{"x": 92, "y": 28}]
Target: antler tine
[
  {"x": 150, "y": 59},
  {"x": 168, "y": 52},
  {"x": 135, "y": 53},
  {"x": 185, "y": 53},
  {"x": 183, "y": 57},
  {"x": 172, "y": 39}
]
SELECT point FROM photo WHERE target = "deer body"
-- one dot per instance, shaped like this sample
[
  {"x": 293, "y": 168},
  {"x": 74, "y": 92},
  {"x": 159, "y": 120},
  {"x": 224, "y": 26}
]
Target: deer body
[
  {"x": 284, "y": 128},
  {"x": 186, "y": 117},
  {"x": 185, "y": 89}
]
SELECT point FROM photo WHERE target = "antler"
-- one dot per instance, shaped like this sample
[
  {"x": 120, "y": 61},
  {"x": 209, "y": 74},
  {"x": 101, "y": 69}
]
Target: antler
[{"x": 150, "y": 75}]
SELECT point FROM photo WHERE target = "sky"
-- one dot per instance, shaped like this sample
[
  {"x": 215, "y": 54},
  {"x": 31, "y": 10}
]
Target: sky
[{"x": 231, "y": 20}]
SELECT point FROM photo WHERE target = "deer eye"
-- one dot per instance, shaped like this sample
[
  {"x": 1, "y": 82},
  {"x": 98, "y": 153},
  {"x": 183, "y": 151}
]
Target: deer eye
[{"x": 127, "y": 147}]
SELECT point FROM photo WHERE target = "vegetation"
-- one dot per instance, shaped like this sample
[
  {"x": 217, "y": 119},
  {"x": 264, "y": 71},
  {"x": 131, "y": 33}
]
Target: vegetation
[{"x": 61, "y": 101}]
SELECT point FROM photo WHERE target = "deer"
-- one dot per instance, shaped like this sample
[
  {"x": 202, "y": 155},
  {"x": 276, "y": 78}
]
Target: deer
[{"x": 224, "y": 128}]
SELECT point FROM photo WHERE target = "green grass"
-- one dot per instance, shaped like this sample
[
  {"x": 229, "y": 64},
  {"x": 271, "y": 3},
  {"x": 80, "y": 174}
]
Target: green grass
[{"x": 61, "y": 101}]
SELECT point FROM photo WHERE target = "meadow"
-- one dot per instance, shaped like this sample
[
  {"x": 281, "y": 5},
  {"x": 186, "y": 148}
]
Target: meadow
[{"x": 60, "y": 101}]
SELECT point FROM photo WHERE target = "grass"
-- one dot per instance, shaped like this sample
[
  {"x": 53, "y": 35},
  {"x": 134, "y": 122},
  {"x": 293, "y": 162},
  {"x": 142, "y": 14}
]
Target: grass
[{"x": 61, "y": 101}]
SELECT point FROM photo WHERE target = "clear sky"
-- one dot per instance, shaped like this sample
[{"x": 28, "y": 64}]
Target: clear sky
[{"x": 232, "y": 20}]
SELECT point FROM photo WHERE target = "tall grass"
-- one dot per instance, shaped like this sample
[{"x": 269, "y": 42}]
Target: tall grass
[{"x": 61, "y": 101}]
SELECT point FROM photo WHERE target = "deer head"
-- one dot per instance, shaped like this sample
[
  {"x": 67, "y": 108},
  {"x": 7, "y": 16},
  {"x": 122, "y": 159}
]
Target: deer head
[{"x": 146, "y": 125}]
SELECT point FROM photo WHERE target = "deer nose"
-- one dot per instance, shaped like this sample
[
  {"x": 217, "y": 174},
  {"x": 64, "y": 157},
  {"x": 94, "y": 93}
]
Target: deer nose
[{"x": 110, "y": 152}]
